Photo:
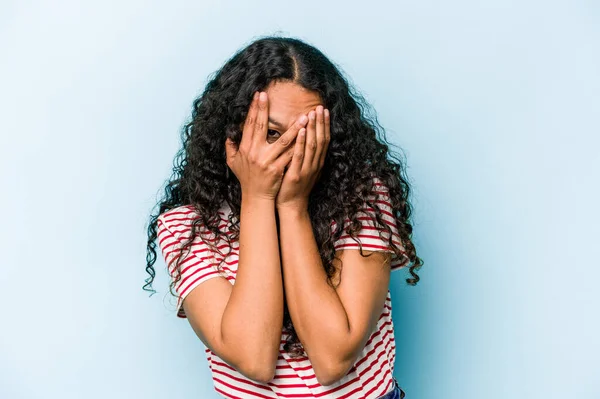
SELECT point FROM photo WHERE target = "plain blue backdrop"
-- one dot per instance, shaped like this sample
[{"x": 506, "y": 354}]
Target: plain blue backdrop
[{"x": 496, "y": 104}]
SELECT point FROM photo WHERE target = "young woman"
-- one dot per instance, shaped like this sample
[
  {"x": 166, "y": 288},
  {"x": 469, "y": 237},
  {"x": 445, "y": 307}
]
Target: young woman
[{"x": 280, "y": 226}]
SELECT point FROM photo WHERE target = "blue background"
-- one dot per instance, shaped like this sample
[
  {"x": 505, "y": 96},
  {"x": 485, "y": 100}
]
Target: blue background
[{"x": 496, "y": 104}]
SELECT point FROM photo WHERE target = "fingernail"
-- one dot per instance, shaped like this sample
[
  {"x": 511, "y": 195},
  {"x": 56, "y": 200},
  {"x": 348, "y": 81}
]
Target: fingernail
[
  {"x": 303, "y": 119},
  {"x": 263, "y": 95},
  {"x": 255, "y": 95}
]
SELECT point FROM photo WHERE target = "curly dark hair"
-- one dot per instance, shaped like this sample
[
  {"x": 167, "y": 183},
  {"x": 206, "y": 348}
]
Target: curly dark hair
[{"x": 358, "y": 150}]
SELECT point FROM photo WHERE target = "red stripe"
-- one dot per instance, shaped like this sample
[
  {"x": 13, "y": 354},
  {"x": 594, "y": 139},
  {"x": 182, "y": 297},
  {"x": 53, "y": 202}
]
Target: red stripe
[
  {"x": 373, "y": 221},
  {"x": 225, "y": 268},
  {"x": 208, "y": 259},
  {"x": 365, "y": 226},
  {"x": 190, "y": 209},
  {"x": 204, "y": 247},
  {"x": 380, "y": 329},
  {"x": 368, "y": 355},
  {"x": 276, "y": 377},
  {"x": 173, "y": 213},
  {"x": 238, "y": 389},
  {"x": 182, "y": 294},
  {"x": 347, "y": 237},
  {"x": 352, "y": 392},
  {"x": 356, "y": 246},
  {"x": 387, "y": 387},
  {"x": 359, "y": 375},
  {"x": 369, "y": 236},
  {"x": 385, "y": 374},
  {"x": 302, "y": 377},
  {"x": 293, "y": 359},
  {"x": 373, "y": 362},
  {"x": 188, "y": 229},
  {"x": 190, "y": 222},
  {"x": 382, "y": 339},
  {"x": 203, "y": 273},
  {"x": 226, "y": 394},
  {"x": 368, "y": 380},
  {"x": 246, "y": 381}
]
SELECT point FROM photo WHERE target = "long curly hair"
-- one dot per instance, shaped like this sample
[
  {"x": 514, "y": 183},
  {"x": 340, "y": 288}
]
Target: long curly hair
[{"x": 358, "y": 150}]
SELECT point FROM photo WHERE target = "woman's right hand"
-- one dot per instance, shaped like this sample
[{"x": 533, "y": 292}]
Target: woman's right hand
[{"x": 258, "y": 165}]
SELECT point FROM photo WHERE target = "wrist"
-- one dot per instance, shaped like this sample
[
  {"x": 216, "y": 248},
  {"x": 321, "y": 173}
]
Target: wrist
[
  {"x": 299, "y": 208},
  {"x": 253, "y": 201}
]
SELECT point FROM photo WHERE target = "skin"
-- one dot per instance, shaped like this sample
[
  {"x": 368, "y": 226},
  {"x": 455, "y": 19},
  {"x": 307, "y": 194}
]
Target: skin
[
  {"x": 277, "y": 166},
  {"x": 333, "y": 324}
]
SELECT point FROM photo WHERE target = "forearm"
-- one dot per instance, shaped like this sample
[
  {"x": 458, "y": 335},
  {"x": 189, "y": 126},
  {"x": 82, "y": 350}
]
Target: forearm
[
  {"x": 317, "y": 312},
  {"x": 254, "y": 313}
]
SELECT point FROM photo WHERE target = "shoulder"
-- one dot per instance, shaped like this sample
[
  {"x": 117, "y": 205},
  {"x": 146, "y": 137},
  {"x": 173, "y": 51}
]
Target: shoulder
[
  {"x": 176, "y": 221},
  {"x": 185, "y": 215},
  {"x": 178, "y": 215}
]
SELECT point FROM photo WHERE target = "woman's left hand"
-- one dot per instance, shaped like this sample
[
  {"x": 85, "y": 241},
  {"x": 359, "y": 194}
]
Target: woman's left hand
[{"x": 308, "y": 159}]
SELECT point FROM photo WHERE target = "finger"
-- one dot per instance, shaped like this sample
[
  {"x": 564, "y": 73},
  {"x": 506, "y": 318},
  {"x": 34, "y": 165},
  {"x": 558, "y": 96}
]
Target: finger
[
  {"x": 284, "y": 141},
  {"x": 230, "y": 150},
  {"x": 262, "y": 119},
  {"x": 311, "y": 141},
  {"x": 320, "y": 137},
  {"x": 327, "y": 128},
  {"x": 248, "y": 130},
  {"x": 295, "y": 165}
]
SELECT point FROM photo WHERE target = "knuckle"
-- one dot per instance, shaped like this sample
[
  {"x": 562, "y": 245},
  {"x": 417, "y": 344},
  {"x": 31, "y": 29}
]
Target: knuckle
[
  {"x": 272, "y": 170},
  {"x": 312, "y": 145}
]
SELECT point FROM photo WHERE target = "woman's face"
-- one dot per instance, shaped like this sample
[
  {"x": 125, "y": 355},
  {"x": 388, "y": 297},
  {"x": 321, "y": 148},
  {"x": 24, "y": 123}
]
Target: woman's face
[{"x": 287, "y": 101}]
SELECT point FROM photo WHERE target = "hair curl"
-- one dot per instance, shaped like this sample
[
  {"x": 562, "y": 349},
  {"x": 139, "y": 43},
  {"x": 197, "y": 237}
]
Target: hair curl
[{"x": 358, "y": 149}]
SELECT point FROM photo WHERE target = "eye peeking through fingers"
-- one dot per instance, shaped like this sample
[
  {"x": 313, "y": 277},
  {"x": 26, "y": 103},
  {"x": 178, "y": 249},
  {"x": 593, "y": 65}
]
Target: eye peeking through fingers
[{"x": 272, "y": 135}]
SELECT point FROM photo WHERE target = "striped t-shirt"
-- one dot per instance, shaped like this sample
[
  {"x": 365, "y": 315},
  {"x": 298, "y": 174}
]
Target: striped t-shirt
[{"x": 371, "y": 374}]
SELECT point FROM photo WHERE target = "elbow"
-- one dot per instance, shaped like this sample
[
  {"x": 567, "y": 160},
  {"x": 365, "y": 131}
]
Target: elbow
[
  {"x": 254, "y": 359},
  {"x": 258, "y": 374},
  {"x": 259, "y": 368},
  {"x": 331, "y": 372}
]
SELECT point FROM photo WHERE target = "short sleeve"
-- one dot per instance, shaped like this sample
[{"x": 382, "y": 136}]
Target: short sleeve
[
  {"x": 197, "y": 266},
  {"x": 368, "y": 235}
]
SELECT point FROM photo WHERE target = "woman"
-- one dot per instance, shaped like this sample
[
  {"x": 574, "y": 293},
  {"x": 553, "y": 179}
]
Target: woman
[{"x": 280, "y": 226}]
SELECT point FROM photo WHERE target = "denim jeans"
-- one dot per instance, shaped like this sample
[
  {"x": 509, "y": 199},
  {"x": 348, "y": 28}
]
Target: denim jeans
[{"x": 396, "y": 393}]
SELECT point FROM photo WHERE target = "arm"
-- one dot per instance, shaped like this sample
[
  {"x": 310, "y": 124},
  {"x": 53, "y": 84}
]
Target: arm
[
  {"x": 242, "y": 324},
  {"x": 217, "y": 310},
  {"x": 332, "y": 324}
]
